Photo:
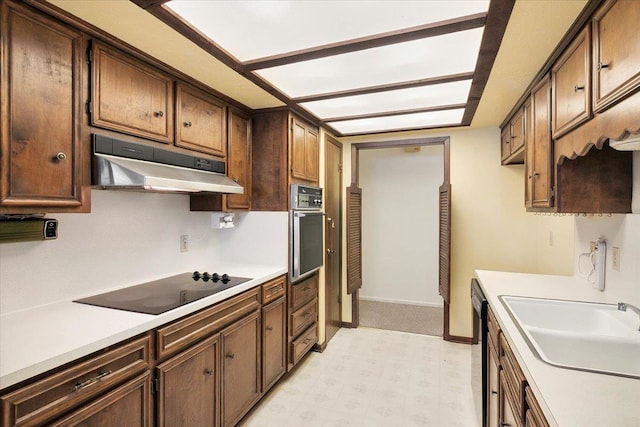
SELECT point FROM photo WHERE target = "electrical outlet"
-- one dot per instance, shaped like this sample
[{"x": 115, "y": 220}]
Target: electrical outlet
[
  {"x": 184, "y": 243},
  {"x": 615, "y": 258}
]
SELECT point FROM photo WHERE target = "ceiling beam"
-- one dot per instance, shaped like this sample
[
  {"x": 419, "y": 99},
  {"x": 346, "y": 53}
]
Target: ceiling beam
[
  {"x": 497, "y": 19},
  {"x": 384, "y": 39},
  {"x": 394, "y": 113},
  {"x": 385, "y": 88}
]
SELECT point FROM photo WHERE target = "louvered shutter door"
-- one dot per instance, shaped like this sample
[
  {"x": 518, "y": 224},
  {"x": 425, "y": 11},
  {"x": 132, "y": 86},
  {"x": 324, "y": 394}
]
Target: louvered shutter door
[
  {"x": 354, "y": 238},
  {"x": 445, "y": 241}
]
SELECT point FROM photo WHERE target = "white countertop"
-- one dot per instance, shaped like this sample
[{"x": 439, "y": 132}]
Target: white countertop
[
  {"x": 35, "y": 340},
  {"x": 568, "y": 397}
]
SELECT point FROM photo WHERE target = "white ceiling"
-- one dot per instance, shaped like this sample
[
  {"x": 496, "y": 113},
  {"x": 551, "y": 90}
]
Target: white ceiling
[{"x": 534, "y": 29}]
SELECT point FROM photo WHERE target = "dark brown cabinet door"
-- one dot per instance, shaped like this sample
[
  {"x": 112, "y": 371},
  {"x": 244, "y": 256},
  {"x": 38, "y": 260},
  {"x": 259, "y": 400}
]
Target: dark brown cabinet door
[
  {"x": 298, "y": 160},
  {"x": 129, "y": 96},
  {"x": 128, "y": 405},
  {"x": 505, "y": 141},
  {"x": 241, "y": 371},
  {"x": 304, "y": 152},
  {"x": 518, "y": 130},
  {"x": 239, "y": 159},
  {"x": 539, "y": 161},
  {"x": 189, "y": 387},
  {"x": 41, "y": 111},
  {"x": 571, "y": 83},
  {"x": 274, "y": 342},
  {"x": 200, "y": 121},
  {"x": 616, "y": 45}
]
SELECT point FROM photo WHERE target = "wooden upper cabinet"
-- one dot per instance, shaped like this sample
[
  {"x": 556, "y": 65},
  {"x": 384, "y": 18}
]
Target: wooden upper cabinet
[
  {"x": 539, "y": 159},
  {"x": 200, "y": 121},
  {"x": 130, "y": 96},
  {"x": 239, "y": 159},
  {"x": 513, "y": 138},
  {"x": 616, "y": 52},
  {"x": 41, "y": 109},
  {"x": 571, "y": 85},
  {"x": 304, "y": 151}
]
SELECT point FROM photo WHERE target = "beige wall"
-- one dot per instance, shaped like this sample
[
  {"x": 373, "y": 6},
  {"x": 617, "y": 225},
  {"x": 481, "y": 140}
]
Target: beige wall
[{"x": 490, "y": 227}]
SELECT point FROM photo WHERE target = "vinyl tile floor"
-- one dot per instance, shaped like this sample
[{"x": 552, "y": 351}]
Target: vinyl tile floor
[{"x": 372, "y": 377}]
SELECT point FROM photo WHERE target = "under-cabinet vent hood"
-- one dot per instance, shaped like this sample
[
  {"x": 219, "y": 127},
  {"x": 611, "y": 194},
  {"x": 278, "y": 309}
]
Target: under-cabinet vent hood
[
  {"x": 121, "y": 165},
  {"x": 630, "y": 143}
]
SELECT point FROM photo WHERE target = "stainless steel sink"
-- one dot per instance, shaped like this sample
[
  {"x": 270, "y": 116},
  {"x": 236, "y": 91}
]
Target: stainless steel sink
[{"x": 579, "y": 335}]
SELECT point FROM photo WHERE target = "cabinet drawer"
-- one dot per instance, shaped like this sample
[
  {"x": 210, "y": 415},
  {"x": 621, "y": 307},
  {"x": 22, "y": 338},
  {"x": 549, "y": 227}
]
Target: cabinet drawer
[
  {"x": 127, "y": 405},
  {"x": 301, "y": 346},
  {"x": 43, "y": 400},
  {"x": 304, "y": 292},
  {"x": 514, "y": 378},
  {"x": 192, "y": 328},
  {"x": 303, "y": 317},
  {"x": 273, "y": 290}
]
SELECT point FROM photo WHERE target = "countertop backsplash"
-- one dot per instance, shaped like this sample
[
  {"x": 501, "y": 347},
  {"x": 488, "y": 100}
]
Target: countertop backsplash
[{"x": 129, "y": 238}]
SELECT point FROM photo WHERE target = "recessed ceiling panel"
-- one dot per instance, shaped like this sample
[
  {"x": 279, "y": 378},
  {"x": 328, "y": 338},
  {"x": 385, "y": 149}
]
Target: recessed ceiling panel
[
  {"x": 407, "y": 121},
  {"x": 404, "y": 99},
  {"x": 419, "y": 59},
  {"x": 255, "y": 29}
]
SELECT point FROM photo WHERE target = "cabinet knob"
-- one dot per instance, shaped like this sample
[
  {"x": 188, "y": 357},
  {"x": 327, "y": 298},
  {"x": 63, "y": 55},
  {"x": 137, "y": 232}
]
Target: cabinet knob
[
  {"x": 159, "y": 114},
  {"x": 533, "y": 175},
  {"x": 230, "y": 356},
  {"x": 188, "y": 124},
  {"x": 577, "y": 88},
  {"x": 209, "y": 372},
  {"x": 236, "y": 179},
  {"x": 61, "y": 156},
  {"x": 494, "y": 392},
  {"x": 601, "y": 66},
  {"x": 269, "y": 328}
]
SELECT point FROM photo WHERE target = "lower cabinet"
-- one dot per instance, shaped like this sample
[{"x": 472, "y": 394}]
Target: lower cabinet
[
  {"x": 209, "y": 368},
  {"x": 511, "y": 401},
  {"x": 303, "y": 318},
  {"x": 240, "y": 345},
  {"x": 194, "y": 372}
]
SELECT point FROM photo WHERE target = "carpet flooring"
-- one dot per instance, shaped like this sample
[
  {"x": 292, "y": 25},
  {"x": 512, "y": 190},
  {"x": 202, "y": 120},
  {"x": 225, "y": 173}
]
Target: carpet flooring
[{"x": 402, "y": 317}]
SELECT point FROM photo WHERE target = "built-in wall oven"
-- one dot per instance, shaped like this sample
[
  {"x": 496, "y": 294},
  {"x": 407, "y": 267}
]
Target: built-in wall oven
[{"x": 306, "y": 236}]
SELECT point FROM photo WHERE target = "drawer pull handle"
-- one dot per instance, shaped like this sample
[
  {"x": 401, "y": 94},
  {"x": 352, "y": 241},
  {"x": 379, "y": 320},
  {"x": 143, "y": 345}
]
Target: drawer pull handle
[
  {"x": 494, "y": 392},
  {"x": 209, "y": 372},
  {"x": 61, "y": 156},
  {"x": 188, "y": 124},
  {"x": 269, "y": 328},
  {"x": 577, "y": 88},
  {"x": 305, "y": 342},
  {"x": 90, "y": 381},
  {"x": 307, "y": 314},
  {"x": 306, "y": 289},
  {"x": 601, "y": 66},
  {"x": 230, "y": 355},
  {"x": 159, "y": 114}
]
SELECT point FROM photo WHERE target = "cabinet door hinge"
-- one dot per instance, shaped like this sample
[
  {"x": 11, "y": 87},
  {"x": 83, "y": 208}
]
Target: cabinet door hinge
[
  {"x": 155, "y": 386},
  {"x": 88, "y": 107},
  {"x": 89, "y": 55}
]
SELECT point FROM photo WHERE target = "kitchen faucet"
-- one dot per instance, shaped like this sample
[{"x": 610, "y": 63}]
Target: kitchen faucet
[{"x": 622, "y": 306}]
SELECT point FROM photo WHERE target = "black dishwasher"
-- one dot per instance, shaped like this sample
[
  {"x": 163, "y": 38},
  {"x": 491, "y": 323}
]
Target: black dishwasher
[{"x": 480, "y": 307}]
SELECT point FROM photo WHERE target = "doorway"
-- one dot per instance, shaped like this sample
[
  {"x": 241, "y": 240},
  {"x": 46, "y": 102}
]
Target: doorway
[
  {"x": 439, "y": 240},
  {"x": 333, "y": 245}
]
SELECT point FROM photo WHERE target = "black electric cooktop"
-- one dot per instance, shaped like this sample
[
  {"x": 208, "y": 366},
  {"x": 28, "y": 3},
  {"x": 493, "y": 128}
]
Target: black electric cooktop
[{"x": 165, "y": 294}]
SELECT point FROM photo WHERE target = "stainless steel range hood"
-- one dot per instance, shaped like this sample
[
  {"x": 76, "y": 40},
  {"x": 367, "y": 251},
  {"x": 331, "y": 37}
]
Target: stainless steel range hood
[{"x": 121, "y": 165}]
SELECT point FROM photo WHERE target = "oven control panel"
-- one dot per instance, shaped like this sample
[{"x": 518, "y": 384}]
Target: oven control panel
[{"x": 305, "y": 197}]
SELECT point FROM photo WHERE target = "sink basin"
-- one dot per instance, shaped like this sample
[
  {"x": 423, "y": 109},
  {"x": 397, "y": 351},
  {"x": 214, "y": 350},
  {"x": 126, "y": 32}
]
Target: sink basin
[{"x": 579, "y": 335}]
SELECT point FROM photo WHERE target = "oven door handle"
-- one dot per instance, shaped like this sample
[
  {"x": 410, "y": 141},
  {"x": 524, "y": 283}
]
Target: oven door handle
[{"x": 303, "y": 214}]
